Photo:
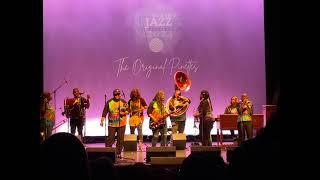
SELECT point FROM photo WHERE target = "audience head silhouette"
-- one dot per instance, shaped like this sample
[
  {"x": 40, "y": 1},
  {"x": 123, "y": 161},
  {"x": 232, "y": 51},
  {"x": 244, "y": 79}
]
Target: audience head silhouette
[
  {"x": 203, "y": 165},
  {"x": 102, "y": 169},
  {"x": 63, "y": 156}
]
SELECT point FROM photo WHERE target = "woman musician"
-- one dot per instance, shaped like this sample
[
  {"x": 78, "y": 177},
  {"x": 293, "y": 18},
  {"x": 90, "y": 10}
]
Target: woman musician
[
  {"x": 205, "y": 115},
  {"x": 157, "y": 113},
  {"x": 47, "y": 116},
  {"x": 136, "y": 106},
  {"x": 245, "y": 126}
]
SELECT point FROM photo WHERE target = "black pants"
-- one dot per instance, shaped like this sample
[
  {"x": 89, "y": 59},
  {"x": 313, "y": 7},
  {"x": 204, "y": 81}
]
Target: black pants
[
  {"x": 204, "y": 133},
  {"x": 139, "y": 128},
  {"x": 120, "y": 137},
  {"x": 77, "y": 123},
  {"x": 178, "y": 126},
  {"x": 245, "y": 128},
  {"x": 163, "y": 132}
]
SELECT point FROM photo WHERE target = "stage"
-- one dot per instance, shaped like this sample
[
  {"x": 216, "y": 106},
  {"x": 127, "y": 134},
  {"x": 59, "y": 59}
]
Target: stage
[{"x": 132, "y": 157}]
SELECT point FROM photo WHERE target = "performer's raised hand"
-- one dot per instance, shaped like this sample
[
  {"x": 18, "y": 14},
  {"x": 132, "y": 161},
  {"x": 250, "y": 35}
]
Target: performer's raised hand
[{"x": 102, "y": 120}]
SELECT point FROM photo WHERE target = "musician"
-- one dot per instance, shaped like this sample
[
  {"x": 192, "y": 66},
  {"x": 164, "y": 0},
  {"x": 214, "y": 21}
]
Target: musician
[
  {"x": 136, "y": 106},
  {"x": 156, "y": 112},
  {"x": 232, "y": 109},
  {"x": 245, "y": 127},
  {"x": 75, "y": 110},
  {"x": 204, "y": 113},
  {"x": 117, "y": 110},
  {"x": 47, "y": 116},
  {"x": 178, "y": 101}
]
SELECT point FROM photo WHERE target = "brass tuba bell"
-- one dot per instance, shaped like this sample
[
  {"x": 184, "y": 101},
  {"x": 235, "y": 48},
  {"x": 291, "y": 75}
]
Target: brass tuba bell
[{"x": 183, "y": 83}]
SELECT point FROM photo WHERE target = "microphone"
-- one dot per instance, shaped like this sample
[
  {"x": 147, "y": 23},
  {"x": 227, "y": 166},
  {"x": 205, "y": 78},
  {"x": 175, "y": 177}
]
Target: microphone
[{"x": 124, "y": 96}]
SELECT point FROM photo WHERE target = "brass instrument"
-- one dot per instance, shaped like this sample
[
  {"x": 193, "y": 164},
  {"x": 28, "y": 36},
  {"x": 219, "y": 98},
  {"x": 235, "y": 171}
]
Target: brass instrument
[
  {"x": 160, "y": 120},
  {"x": 135, "y": 118},
  {"x": 183, "y": 105},
  {"x": 124, "y": 107},
  {"x": 183, "y": 83}
]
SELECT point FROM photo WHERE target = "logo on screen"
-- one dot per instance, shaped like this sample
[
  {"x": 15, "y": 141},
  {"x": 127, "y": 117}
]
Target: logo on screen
[{"x": 159, "y": 31}]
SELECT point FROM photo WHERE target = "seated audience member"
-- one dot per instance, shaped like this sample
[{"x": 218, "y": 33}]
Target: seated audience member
[{"x": 63, "y": 156}]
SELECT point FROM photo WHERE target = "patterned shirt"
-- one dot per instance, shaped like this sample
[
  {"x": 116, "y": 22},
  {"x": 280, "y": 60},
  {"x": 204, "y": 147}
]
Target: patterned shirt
[
  {"x": 112, "y": 108},
  {"x": 231, "y": 110},
  {"x": 154, "y": 108},
  {"x": 136, "y": 105},
  {"x": 47, "y": 115},
  {"x": 245, "y": 112}
]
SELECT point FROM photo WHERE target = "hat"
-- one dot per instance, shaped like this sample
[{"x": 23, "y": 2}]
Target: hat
[{"x": 116, "y": 92}]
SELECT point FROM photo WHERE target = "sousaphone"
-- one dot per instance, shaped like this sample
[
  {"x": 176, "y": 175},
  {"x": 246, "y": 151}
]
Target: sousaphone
[{"x": 183, "y": 83}]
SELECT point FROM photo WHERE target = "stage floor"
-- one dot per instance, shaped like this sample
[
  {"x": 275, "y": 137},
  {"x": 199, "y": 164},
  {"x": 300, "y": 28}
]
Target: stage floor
[{"x": 131, "y": 157}]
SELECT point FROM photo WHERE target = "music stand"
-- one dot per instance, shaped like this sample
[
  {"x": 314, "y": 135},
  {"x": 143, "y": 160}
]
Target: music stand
[
  {"x": 226, "y": 122},
  {"x": 55, "y": 93}
]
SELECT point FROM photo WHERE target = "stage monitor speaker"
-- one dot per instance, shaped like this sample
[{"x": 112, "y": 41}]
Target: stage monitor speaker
[
  {"x": 206, "y": 150},
  {"x": 179, "y": 141},
  {"x": 130, "y": 142},
  {"x": 160, "y": 152},
  {"x": 97, "y": 152}
]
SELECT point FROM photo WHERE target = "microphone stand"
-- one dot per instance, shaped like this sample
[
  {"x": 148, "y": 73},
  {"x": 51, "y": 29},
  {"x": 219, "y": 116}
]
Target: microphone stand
[
  {"x": 202, "y": 133},
  {"x": 54, "y": 96},
  {"x": 59, "y": 124},
  {"x": 82, "y": 135},
  {"x": 66, "y": 113},
  {"x": 120, "y": 116},
  {"x": 211, "y": 111},
  {"x": 195, "y": 127},
  {"x": 105, "y": 122},
  {"x": 55, "y": 92}
]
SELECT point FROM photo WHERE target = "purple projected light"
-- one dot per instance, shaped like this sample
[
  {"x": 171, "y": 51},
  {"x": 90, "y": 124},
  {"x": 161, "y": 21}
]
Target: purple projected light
[{"x": 102, "y": 45}]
